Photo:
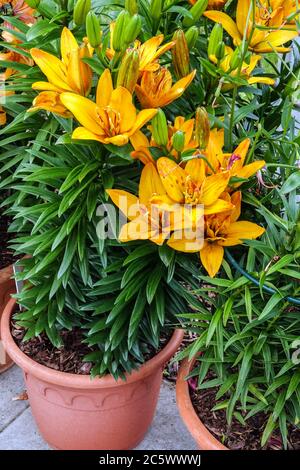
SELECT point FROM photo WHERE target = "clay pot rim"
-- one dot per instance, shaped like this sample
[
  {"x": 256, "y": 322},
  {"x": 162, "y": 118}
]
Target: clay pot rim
[
  {"x": 67, "y": 380},
  {"x": 204, "y": 439}
]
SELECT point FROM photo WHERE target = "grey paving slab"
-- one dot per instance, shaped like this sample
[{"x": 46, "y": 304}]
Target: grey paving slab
[
  {"x": 11, "y": 385},
  {"x": 20, "y": 433}
]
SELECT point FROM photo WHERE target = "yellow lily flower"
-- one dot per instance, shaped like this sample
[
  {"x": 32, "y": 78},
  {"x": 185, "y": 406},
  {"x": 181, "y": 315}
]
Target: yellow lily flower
[
  {"x": 221, "y": 230},
  {"x": 272, "y": 15},
  {"x": 112, "y": 119},
  {"x": 141, "y": 143},
  {"x": 245, "y": 71},
  {"x": 69, "y": 73},
  {"x": 156, "y": 90},
  {"x": 233, "y": 163},
  {"x": 50, "y": 101},
  {"x": 148, "y": 221},
  {"x": 149, "y": 52},
  {"x": 224, "y": 230},
  {"x": 191, "y": 185}
]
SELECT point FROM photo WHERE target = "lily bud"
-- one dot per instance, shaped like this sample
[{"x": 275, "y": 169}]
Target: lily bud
[
  {"x": 235, "y": 59},
  {"x": 119, "y": 31},
  {"x": 93, "y": 29},
  {"x": 216, "y": 36},
  {"x": 81, "y": 9},
  {"x": 33, "y": 3},
  {"x": 180, "y": 55},
  {"x": 220, "y": 52},
  {"x": 196, "y": 11},
  {"x": 70, "y": 5},
  {"x": 133, "y": 29},
  {"x": 160, "y": 128},
  {"x": 191, "y": 36},
  {"x": 156, "y": 7},
  {"x": 129, "y": 71},
  {"x": 131, "y": 6},
  {"x": 178, "y": 141},
  {"x": 202, "y": 127}
]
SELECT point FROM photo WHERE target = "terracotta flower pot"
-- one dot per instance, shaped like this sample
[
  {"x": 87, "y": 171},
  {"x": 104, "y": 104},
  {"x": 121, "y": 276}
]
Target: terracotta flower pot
[
  {"x": 204, "y": 439},
  {"x": 7, "y": 287},
  {"x": 74, "y": 412}
]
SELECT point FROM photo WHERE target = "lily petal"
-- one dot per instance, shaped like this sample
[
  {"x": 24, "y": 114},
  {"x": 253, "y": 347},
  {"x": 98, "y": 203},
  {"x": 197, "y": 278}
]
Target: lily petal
[
  {"x": 144, "y": 116},
  {"x": 227, "y": 23},
  {"x": 82, "y": 133},
  {"x": 211, "y": 257},
  {"x": 126, "y": 202},
  {"x": 244, "y": 230},
  {"x": 213, "y": 187},
  {"x": 104, "y": 89},
  {"x": 173, "y": 178},
  {"x": 150, "y": 184},
  {"x": 84, "y": 110},
  {"x": 68, "y": 44},
  {"x": 52, "y": 67}
]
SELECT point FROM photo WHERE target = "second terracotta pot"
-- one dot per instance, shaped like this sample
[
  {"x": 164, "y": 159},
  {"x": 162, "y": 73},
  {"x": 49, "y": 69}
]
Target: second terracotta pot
[
  {"x": 204, "y": 439},
  {"x": 74, "y": 412},
  {"x": 7, "y": 287}
]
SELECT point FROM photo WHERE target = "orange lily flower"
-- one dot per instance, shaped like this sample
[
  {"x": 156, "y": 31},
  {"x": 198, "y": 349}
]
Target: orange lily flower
[
  {"x": 221, "y": 230},
  {"x": 149, "y": 51},
  {"x": 22, "y": 11},
  {"x": 272, "y": 15},
  {"x": 156, "y": 90},
  {"x": 191, "y": 185},
  {"x": 245, "y": 72},
  {"x": 224, "y": 230},
  {"x": 112, "y": 119},
  {"x": 148, "y": 221},
  {"x": 233, "y": 163},
  {"x": 67, "y": 74}
]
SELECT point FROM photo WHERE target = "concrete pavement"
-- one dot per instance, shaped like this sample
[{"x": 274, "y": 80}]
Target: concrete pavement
[{"x": 18, "y": 430}]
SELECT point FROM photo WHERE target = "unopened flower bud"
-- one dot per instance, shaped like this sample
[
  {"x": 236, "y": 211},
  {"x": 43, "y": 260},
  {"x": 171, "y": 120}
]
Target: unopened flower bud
[
  {"x": 178, "y": 141},
  {"x": 216, "y": 36},
  {"x": 235, "y": 59},
  {"x": 129, "y": 70},
  {"x": 202, "y": 127},
  {"x": 131, "y": 6},
  {"x": 180, "y": 55},
  {"x": 119, "y": 31},
  {"x": 93, "y": 29},
  {"x": 220, "y": 52},
  {"x": 81, "y": 9},
  {"x": 156, "y": 7},
  {"x": 196, "y": 11},
  {"x": 191, "y": 36},
  {"x": 160, "y": 128},
  {"x": 132, "y": 29}
]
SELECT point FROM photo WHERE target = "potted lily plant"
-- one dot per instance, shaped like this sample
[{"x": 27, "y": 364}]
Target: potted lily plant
[
  {"x": 127, "y": 188},
  {"x": 90, "y": 304},
  {"x": 238, "y": 386}
]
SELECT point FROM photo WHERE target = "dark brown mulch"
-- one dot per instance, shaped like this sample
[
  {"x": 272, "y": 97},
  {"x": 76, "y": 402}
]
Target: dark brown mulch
[
  {"x": 237, "y": 436},
  {"x": 68, "y": 358},
  {"x": 6, "y": 255}
]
